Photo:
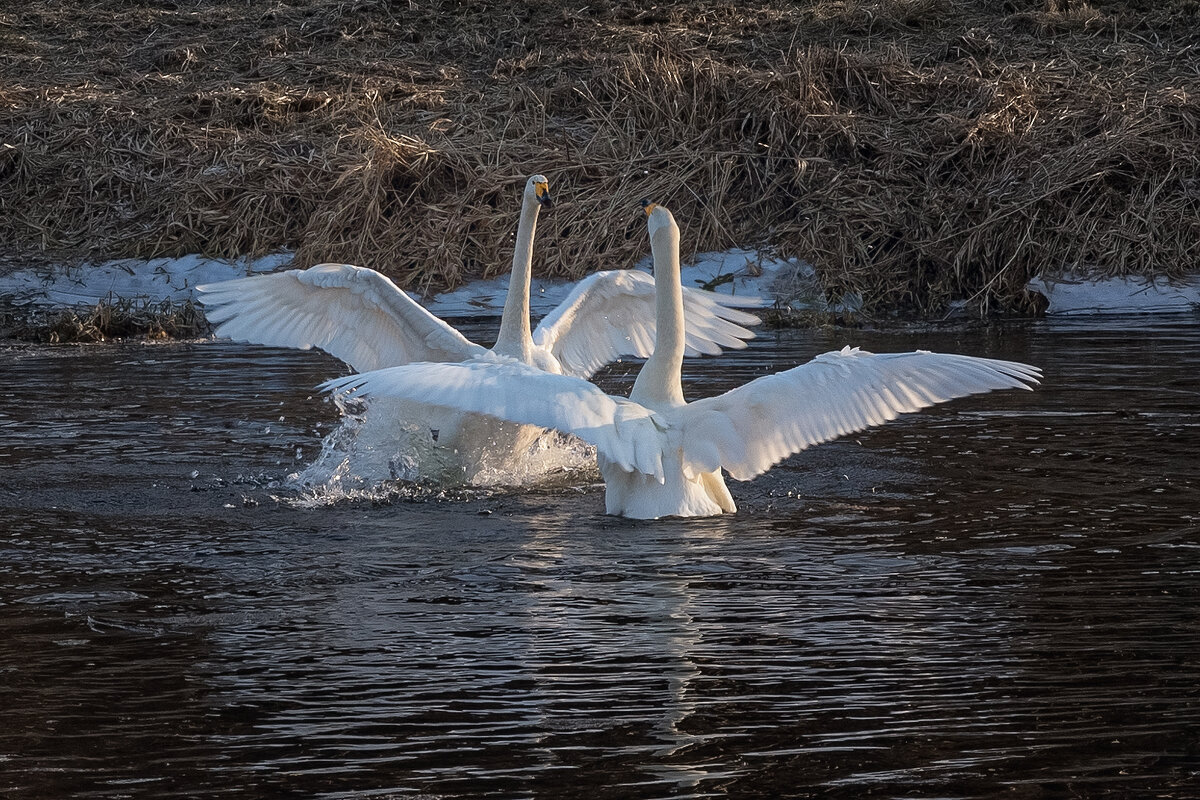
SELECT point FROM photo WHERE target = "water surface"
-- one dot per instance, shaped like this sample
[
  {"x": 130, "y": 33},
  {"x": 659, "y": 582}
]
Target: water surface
[{"x": 993, "y": 598}]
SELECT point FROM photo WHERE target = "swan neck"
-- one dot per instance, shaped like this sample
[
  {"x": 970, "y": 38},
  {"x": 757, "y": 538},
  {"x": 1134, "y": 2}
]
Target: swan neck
[
  {"x": 515, "y": 339},
  {"x": 660, "y": 380}
]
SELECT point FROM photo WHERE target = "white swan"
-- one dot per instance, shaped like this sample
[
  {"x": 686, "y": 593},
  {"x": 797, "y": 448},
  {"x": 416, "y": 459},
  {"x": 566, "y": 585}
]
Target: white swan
[
  {"x": 661, "y": 456},
  {"x": 361, "y": 317}
]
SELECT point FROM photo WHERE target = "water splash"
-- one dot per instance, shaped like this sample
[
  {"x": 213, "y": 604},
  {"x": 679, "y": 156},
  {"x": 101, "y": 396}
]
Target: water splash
[
  {"x": 382, "y": 493},
  {"x": 381, "y": 452}
]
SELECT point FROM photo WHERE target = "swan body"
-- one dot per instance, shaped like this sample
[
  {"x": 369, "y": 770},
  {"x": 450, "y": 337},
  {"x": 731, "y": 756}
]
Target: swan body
[
  {"x": 662, "y": 456},
  {"x": 361, "y": 317}
]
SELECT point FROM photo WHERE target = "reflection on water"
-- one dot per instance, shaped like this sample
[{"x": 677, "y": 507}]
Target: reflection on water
[{"x": 996, "y": 597}]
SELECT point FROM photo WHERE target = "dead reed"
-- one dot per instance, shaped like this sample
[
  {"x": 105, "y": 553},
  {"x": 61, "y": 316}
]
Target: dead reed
[
  {"x": 108, "y": 319},
  {"x": 915, "y": 151}
]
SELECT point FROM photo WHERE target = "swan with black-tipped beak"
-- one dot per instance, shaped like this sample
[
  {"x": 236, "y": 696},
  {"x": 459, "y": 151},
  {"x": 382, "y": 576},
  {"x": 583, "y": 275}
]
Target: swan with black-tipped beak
[
  {"x": 361, "y": 317},
  {"x": 662, "y": 456}
]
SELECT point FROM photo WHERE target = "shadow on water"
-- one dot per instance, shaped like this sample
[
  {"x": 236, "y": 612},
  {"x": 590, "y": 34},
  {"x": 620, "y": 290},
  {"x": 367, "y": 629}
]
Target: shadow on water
[{"x": 996, "y": 597}]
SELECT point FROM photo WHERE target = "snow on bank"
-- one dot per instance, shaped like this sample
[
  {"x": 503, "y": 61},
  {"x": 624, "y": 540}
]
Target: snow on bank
[
  {"x": 744, "y": 273},
  {"x": 154, "y": 280},
  {"x": 1075, "y": 296},
  {"x": 738, "y": 272}
]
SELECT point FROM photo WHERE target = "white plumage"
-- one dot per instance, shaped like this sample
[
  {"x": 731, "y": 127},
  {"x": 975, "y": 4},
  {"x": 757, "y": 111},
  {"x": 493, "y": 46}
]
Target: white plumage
[
  {"x": 363, "y": 318},
  {"x": 661, "y": 456},
  {"x": 834, "y": 394},
  {"x": 352, "y": 313},
  {"x": 502, "y": 387},
  {"x": 611, "y": 314}
]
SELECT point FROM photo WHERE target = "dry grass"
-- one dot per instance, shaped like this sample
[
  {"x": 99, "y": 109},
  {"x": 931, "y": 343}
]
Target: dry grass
[
  {"x": 914, "y": 151},
  {"x": 108, "y": 319}
]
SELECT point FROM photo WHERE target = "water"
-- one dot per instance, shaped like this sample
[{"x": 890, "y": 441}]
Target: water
[{"x": 995, "y": 597}]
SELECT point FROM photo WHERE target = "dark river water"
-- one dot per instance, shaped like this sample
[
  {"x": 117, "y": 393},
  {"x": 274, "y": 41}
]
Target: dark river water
[{"x": 998, "y": 597}]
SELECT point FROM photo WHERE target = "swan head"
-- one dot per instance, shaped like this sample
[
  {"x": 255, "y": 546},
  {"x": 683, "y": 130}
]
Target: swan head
[
  {"x": 658, "y": 217},
  {"x": 537, "y": 190}
]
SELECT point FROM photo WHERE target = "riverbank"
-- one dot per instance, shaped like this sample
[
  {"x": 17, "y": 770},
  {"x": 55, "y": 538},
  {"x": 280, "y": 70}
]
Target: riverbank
[
  {"x": 157, "y": 298},
  {"x": 915, "y": 152}
]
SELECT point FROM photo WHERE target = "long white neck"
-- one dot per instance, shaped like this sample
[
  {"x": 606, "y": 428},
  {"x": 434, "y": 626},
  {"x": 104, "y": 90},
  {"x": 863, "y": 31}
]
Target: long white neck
[
  {"x": 515, "y": 339},
  {"x": 660, "y": 381}
]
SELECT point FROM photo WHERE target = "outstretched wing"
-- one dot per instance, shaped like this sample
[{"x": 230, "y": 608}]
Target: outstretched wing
[
  {"x": 353, "y": 313},
  {"x": 624, "y": 431},
  {"x": 750, "y": 428},
  {"x": 611, "y": 314}
]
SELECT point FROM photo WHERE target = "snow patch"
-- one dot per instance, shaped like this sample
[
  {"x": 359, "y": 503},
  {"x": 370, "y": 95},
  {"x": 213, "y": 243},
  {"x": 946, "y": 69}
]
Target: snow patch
[
  {"x": 153, "y": 280},
  {"x": 752, "y": 273},
  {"x": 735, "y": 272},
  {"x": 1071, "y": 295}
]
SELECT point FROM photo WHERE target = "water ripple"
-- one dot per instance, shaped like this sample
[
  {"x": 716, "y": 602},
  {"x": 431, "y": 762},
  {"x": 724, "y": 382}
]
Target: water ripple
[{"x": 996, "y": 597}]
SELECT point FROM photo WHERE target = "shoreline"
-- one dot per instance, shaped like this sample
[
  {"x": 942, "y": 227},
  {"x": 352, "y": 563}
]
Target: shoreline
[{"x": 154, "y": 298}]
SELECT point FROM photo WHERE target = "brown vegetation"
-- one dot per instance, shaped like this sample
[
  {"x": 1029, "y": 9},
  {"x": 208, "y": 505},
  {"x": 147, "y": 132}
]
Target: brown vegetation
[
  {"x": 108, "y": 319},
  {"x": 913, "y": 150}
]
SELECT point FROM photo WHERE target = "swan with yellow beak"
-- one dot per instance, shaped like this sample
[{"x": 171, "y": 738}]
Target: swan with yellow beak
[{"x": 662, "y": 456}]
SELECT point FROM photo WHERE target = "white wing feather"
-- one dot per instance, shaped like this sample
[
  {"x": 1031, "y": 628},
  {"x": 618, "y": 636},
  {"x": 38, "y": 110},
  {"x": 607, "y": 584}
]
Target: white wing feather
[
  {"x": 751, "y": 428},
  {"x": 509, "y": 390},
  {"x": 353, "y": 313},
  {"x": 611, "y": 314}
]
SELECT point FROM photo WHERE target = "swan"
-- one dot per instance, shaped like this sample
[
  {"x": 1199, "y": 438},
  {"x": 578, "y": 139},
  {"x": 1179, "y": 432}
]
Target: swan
[
  {"x": 662, "y": 456},
  {"x": 361, "y": 317}
]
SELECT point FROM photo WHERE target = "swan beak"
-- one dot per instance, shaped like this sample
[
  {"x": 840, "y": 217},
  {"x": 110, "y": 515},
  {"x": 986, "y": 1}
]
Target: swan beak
[
  {"x": 542, "y": 190},
  {"x": 648, "y": 207}
]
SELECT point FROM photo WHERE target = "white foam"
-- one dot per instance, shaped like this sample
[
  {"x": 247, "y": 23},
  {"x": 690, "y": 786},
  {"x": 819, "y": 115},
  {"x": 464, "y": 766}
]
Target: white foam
[{"x": 376, "y": 453}]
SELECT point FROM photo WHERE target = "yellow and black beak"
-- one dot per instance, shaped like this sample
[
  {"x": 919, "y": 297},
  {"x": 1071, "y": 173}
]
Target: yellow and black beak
[
  {"x": 648, "y": 207},
  {"x": 542, "y": 192}
]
